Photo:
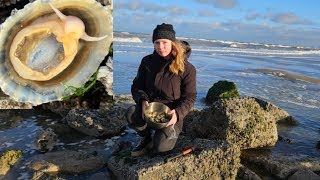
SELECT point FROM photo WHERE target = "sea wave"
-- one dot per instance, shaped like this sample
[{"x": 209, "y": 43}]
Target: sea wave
[
  {"x": 250, "y": 45},
  {"x": 303, "y": 104},
  {"x": 131, "y": 39},
  {"x": 224, "y": 47},
  {"x": 269, "y": 52}
]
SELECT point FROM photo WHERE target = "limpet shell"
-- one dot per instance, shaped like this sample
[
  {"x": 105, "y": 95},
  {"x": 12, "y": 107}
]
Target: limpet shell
[{"x": 23, "y": 86}]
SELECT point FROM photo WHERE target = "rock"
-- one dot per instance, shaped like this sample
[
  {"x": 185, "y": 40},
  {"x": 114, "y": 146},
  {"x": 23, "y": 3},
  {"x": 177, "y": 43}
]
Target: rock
[
  {"x": 105, "y": 76},
  {"x": 279, "y": 114},
  {"x": 190, "y": 118},
  {"x": 318, "y": 145},
  {"x": 12, "y": 122},
  {"x": 245, "y": 173},
  {"x": 67, "y": 162},
  {"x": 97, "y": 122},
  {"x": 123, "y": 100},
  {"x": 8, "y": 159},
  {"x": 280, "y": 167},
  {"x": 210, "y": 160},
  {"x": 285, "y": 139},
  {"x": 239, "y": 121},
  {"x": 8, "y": 103},
  {"x": 221, "y": 90},
  {"x": 270, "y": 166},
  {"x": 46, "y": 140},
  {"x": 304, "y": 174}
]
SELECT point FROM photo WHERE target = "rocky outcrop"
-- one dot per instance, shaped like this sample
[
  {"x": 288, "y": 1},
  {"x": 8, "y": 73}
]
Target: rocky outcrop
[
  {"x": 282, "y": 167},
  {"x": 280, "y": 116},
  {"x": 304, "y": 174},
  {"x": 8, "y": 159},
  {"x": 209, "y": 160},
  {"x": 67, "y": 162},
  {"x": 247, "y": 122},
  {"x": 97, "y": 122},
  {"x": 245, "y": 173}
]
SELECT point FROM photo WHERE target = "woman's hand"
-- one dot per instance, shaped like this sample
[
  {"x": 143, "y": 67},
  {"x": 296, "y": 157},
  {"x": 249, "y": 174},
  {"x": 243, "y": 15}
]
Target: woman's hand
[
  {"x": 174, "y": 118},
  {"x": 144, "y": 105}
]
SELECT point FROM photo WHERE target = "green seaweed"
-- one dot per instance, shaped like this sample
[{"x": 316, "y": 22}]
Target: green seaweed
[
  {"x": 80, "y": 91},
  {"x": 221, "y": 90},
  {"x": 250, "y": 127},
  {"x": 126, "y": 156}
]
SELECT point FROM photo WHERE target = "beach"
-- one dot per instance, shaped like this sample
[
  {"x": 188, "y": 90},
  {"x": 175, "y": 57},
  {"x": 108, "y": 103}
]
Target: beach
[
  {"x": 286, "y": 76},
  {"x": 283, "y": 75}
]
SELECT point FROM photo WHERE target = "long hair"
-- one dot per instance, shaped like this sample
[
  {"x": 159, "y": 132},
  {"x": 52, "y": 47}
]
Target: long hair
[{"x": 177, "y": 65}]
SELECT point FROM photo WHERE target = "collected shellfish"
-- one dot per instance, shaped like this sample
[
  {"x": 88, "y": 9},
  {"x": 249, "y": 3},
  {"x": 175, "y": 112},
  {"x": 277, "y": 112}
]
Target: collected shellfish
[{"x": 47, "y": 44}]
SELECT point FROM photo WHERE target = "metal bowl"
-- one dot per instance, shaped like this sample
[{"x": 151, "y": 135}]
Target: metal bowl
[{"x": 156, "y": 109}]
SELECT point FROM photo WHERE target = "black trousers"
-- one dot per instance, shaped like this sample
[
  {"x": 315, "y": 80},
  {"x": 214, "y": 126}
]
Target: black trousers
[{"x": 163, "y": 139}]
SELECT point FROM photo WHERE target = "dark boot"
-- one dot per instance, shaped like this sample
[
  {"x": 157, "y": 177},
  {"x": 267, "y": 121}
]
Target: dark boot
[{"x": 143, "y": 146}]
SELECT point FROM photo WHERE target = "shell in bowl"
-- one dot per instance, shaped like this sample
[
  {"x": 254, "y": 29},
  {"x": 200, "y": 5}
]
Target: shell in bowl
[
  {"x": 46, "y": 45},
  {"x": 156, "y": 115}
]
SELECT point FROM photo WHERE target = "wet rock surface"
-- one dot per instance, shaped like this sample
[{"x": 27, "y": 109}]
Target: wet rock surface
[
  {"x": 97, "y": 123},
  {"x": 280, "y": 167},
  {"x": 245, "y": 173},
  {"x": 68, "y": 161}
]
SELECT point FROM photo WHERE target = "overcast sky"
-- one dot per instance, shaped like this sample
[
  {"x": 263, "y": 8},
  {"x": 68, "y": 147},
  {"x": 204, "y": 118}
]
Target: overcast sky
[{"x": 286, "y": 22}]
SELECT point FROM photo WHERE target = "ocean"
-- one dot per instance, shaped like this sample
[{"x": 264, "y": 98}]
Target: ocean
[{"x": 287, "y": 76}]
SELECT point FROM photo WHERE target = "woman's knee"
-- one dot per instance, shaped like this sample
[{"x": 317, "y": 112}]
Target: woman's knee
[
  {"x": 165, "y": 140},
  {"x": 135, "y": 121},
  {"x": 164, "y": 145}
]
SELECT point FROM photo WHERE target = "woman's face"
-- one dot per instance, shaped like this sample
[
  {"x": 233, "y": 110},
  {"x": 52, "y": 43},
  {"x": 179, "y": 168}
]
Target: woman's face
[{"x": 163, "y": 47}]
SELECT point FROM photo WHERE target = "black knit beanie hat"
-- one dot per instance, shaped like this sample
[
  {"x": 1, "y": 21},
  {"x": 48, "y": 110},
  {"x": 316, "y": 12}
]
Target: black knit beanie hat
[{"x": 164, "y": 31}]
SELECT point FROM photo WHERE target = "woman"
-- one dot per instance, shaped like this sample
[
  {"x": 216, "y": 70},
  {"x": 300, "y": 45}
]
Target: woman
[{"x": 163, "y": 76}]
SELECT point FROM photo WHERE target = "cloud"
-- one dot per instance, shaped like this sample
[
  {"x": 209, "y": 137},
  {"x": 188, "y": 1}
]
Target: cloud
[
  {"x": 150, "y": 7},
  {"x": 223, "y": 4},
  {"x": 143, "y": 17},
  {"x": 252, "y": 16},
  {"x": 206, "y": 13},
  {"x": 174, "y": 10},
  {"x": 289, "y": 18}
]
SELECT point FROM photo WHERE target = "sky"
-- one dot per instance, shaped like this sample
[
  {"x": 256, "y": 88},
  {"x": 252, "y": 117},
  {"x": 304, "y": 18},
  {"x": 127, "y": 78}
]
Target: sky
[{"x": 284, "y": 22}]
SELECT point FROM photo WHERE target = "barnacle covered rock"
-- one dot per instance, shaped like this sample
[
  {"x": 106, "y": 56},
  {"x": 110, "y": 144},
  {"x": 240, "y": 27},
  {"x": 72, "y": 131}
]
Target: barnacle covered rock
[{"x": 51, "y": 43}]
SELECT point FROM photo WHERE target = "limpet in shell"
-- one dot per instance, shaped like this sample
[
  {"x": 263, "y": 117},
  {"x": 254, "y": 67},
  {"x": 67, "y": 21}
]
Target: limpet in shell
[{"x": 38, "y": 53}]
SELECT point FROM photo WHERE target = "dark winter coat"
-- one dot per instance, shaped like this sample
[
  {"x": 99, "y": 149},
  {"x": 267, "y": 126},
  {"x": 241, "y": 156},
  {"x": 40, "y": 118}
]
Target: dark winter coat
[{"x": 154, "y": 82}]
